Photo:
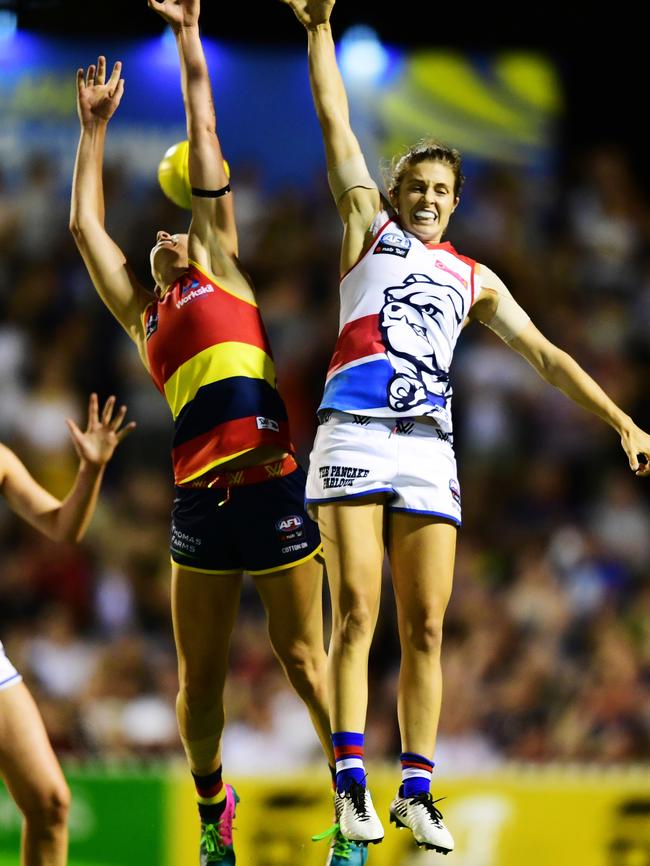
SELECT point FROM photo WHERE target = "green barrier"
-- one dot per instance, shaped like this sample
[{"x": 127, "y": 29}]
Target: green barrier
[{"x": 118, "y": 818}]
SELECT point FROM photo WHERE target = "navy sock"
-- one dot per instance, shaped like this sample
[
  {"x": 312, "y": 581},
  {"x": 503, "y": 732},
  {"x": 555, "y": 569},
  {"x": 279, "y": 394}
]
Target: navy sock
[{"x": 211, "y": 796}]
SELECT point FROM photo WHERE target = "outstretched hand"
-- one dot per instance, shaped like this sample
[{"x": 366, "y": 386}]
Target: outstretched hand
[
  {"x": 97, "y": 99},
  {"x": 177, "y": 13},
  {"x": 311, "y": 13},
  {"x": 102, "y": 435},
  {"x": 636, "y": 444}
]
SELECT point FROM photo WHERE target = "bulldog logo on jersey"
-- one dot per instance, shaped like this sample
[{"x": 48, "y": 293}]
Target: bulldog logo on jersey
[
  {"x": 392, "y": 244},
  {"x": 414, "y": 322}
]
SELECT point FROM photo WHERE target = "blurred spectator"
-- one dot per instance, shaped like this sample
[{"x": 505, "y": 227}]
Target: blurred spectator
[{"x": 58, "y": 657}]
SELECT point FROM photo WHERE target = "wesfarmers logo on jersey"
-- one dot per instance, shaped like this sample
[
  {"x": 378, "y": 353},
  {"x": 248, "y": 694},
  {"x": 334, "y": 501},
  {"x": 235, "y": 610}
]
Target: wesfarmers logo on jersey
[
  {"x": 444, "y": 267},
  {"x": 194, "y": 294}
]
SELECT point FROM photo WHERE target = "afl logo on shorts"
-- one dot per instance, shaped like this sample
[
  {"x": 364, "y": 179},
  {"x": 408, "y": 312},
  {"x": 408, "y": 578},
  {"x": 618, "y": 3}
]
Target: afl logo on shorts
[
  {"x": 290, "y": 527},
  {"x": 455, "y": 490},
  {"x": 393, "y": 245}
]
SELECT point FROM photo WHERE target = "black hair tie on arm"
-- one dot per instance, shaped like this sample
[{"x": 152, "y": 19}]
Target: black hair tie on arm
[{"x": 211, "y": 193}]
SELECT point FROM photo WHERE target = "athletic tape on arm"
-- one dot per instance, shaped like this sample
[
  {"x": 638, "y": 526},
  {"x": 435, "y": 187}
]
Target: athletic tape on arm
[
  {"x": 509, "y": 319},
  {"x": 348, "y": 175}
]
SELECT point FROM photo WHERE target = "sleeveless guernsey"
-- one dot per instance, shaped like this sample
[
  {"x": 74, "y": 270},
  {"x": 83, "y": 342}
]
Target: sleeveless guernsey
[
  {"x": 402, "y": 307},
  {"x": 209, "y": 355}
]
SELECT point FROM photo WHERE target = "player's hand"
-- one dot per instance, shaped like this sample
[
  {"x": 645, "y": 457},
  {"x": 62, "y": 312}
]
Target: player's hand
[
  {"x": 177, "y": 13},
  {"x": 311, "y": 13},
  {"x": 102, "y": 435},
  {"x": 636, "y": 444},
  {"x": 97, "y": 99}
]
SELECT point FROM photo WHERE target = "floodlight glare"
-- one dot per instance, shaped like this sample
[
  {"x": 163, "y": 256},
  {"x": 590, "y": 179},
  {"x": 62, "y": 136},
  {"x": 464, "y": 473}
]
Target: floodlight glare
[{"x": 362, "y": 57}]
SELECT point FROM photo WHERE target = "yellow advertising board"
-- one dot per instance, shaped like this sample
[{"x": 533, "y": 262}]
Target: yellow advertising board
[{"x": 518, "y": 817}]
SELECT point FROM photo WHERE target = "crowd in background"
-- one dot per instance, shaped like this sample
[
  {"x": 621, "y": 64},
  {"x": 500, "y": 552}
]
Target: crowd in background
[{"x": 546, "y": 652}]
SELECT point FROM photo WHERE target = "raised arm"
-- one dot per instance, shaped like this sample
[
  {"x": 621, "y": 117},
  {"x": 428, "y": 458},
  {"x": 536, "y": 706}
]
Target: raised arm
[
  {"x": 97, "y": 100},
  {"x": 330, "y": 98},
  {"x": 497, "y": 309},
  {"x": 356, "y": 194},
  {"x": 213, "y": 231},
  {"x": 67, "y": 520}
]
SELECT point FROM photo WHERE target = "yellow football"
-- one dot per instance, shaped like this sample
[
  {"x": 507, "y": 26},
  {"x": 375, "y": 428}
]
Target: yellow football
[{"x": 174, "y": 175}]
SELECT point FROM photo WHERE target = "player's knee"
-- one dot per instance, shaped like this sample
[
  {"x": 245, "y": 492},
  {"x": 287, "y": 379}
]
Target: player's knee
[
  {"x": 355, "y": 626},
  {"x": 424, "y": 633},
  {"x": 48, "y": 807},
  {"x": 304, "y": 664}
]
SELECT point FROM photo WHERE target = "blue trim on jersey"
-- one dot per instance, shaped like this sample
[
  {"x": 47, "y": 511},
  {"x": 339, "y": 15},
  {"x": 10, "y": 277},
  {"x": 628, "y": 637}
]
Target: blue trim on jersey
[
  {"x": 365, "y": 386},
  {"x": 10, "y": 679},
  {"x": 430, "y": 513}
]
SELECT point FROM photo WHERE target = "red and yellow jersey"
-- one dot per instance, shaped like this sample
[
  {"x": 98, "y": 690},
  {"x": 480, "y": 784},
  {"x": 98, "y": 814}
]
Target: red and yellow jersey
[{"x": 208, "y": 353}]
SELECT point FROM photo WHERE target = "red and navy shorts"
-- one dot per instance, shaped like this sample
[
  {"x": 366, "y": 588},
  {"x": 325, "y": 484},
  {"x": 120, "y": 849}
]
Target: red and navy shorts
[{"x": 257, "y": 528}]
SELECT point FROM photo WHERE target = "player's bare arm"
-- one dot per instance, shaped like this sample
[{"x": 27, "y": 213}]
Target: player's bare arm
[
  {"x": 496, "y": 308},
  {"x": 559, "y": 369},
  {"x": 97, "y": 100},
  {"x": 356, "y": 195},
  {"x": 69, "y": 519},
  {"x": 212, "y": 238}
]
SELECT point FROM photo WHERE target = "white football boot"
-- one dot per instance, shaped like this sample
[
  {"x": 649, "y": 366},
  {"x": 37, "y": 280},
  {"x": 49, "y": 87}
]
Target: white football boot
[
  {"x": 420, "y": 815},
  {"x": 356, "y": 815}
]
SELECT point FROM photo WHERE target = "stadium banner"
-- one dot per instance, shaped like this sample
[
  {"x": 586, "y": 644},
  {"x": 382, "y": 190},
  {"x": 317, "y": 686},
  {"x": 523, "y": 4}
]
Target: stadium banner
[
  {"x": 532, "y": 816},
  {"x": 504, "y": 108}
]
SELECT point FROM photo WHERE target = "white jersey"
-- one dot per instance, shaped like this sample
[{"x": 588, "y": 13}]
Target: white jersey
[
  {"x": 402, "y": 308},
  {"x": 9, "y": 676}
]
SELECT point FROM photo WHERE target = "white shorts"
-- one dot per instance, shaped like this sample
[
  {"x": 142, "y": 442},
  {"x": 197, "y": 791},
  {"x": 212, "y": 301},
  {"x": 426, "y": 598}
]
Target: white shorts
[
  {"x": 409, "y": 459},
  {"x": 9, "y": 676}
]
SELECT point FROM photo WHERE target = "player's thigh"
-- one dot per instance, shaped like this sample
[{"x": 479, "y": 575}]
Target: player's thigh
[
  {"x": 353, "y": 543},
  {"x": 422, "y": 553},
  {"x": 27, "y": 761},
  {"x": 293, "y": 600},
  {"x": 204, "y": 610}
]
